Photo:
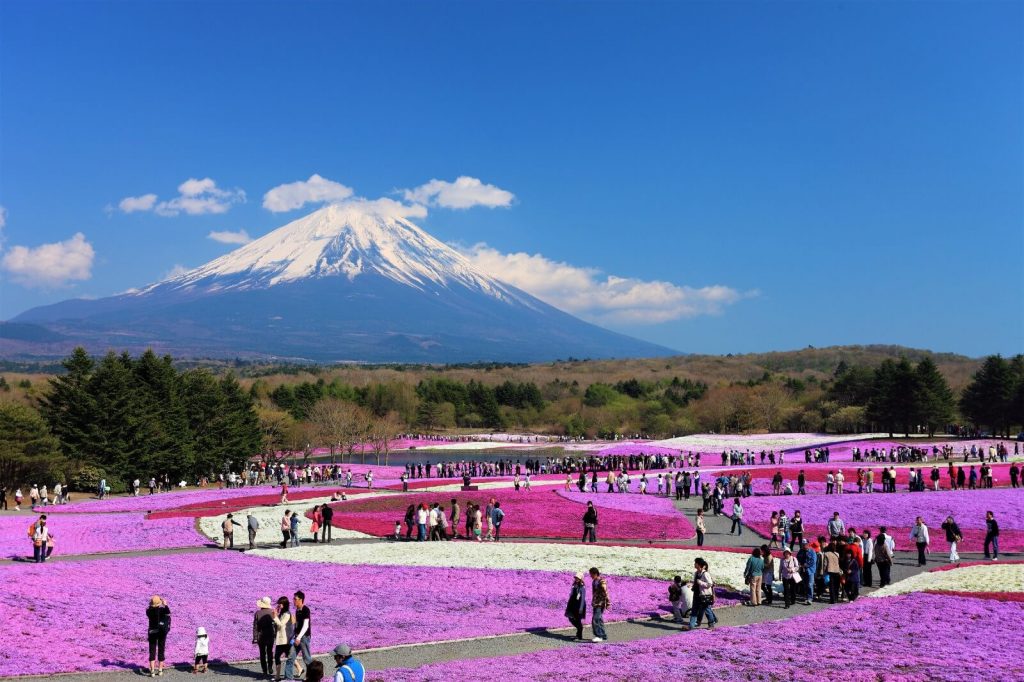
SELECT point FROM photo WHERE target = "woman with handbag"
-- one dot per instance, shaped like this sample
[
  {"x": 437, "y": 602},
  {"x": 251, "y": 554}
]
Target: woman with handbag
[
  {"x": 159, "y": 616},
  {"x": 953, "y": 537},
  {"x": 703, "y": 596},
  {"x": 789, "y": 570}
]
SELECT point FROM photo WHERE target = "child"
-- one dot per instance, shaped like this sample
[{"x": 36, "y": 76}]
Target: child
[
  {"x": 398, "y": 531},
  {"x": 202, "y": 651},
  {"x": 675, "y": 596}
]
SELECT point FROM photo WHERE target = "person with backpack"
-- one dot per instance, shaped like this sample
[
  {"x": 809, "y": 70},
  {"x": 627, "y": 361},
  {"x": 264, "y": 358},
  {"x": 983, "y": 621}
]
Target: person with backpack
[
  {"x": 675, "y": 597},
  {"x": 703, "y": 596},
  {"x": 158, "y": 614},
  {"x": 39, "y": 534},
  {"x": 497, "y": 517},
  {"x": 883, "y": 559}
]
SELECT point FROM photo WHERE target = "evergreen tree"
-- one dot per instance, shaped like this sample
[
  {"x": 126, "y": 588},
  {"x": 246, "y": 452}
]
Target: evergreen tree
[
  {"x": 988, "y": 400},
  {"x": 29, "y": 453},
  {"x": 70, "y": 410},
  {"x": 895, "y": 396},
  {"x": 242, "y": 428},
  {"x": 935, "y": 399}
]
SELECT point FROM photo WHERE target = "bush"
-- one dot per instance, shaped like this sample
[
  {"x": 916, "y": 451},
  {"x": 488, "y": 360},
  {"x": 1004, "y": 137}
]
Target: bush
[{"x": 86, "y": 478}]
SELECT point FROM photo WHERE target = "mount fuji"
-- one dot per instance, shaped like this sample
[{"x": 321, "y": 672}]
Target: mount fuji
[{"x": 340, "y": 284}]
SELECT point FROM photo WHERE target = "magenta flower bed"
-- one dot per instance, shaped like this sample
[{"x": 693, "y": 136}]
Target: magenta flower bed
[
  {"x": 819, "y": 473},
  {"x": 535, "y": 514},
  {"x": 895, "y": 639},
  {"x": 218, "y": 507},
  {"x": 655, "y": 505},
  {"x": 633, "y": 448},
  {"x": 146, "y": 502},
  {"x": 96, "y": 533},
  {"x": 897, "y": 511},
  {"x": 90, "y": 615}
]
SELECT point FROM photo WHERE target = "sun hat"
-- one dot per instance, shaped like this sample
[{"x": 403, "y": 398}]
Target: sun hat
[
  {"x": 578, "y": 576},
  {"x": 343, "y": 650},
  {"x": 263, "y": 603},
  {"x": 200, "y": 632}
]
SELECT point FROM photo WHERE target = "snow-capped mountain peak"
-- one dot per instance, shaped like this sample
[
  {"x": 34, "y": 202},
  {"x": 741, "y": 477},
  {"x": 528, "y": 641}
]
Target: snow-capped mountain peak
[{"x": 341, "y": 240}]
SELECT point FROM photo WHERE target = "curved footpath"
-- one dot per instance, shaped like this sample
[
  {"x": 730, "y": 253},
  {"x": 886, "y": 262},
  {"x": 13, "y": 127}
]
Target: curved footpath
[{"x": 414, "y": 655}]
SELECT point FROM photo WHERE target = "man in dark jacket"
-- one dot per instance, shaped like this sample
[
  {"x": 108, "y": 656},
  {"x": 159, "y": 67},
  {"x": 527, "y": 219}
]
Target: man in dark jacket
[
  {"x": 590, "y": 524},
  {"x": 325, "y": 529},
  {"x": 991, "y": 535}
]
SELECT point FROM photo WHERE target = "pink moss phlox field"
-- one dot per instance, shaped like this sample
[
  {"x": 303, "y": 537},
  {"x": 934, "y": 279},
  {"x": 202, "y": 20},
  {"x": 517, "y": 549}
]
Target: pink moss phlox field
[
  {"x": 896, "y": 639},
  {"x": 218, "y": 507},
  {"x": 98, "y": 533},
  {"x": 655, "y": 505},
  {"x": 90, "y": 615},
  {"x": 819, "y": 473},
  {"x": 633, "y": 448},
  {"x": 538, "y": 513},
  {"x": 146, "y": 502},
  {"x": 897, "y": 511}
]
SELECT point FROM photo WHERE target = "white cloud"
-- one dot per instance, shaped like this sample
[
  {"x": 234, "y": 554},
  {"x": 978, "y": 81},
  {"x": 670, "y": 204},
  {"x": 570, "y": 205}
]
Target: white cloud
[
  {"x": 229, "y": 237},
  {"x": 386, "y": 208},
  {"x": 195, "y": 197},
  {"x": 293, "y": 195},
  {"x": 602, "y": 298},
  {"x": 3, "y": 217},
  {"x": 132, "y": 204},
  {"x": 176, "y": 270},
  {"x": 50, "y": 265},
  {"x": 465, "y": 192}
]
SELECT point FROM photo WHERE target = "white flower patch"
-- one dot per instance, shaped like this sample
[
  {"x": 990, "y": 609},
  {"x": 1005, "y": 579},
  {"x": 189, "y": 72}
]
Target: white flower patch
[
  {"x": 712, "y": 442},
  {"x": 270, "y": 521},
  {"x": 984, "y": 578},
  {"x": 642, "y": 562}
]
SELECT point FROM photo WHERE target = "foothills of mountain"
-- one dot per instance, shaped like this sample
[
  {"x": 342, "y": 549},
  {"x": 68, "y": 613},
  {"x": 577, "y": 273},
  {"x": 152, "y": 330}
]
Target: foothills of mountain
[{"x": 122, "y": 417}]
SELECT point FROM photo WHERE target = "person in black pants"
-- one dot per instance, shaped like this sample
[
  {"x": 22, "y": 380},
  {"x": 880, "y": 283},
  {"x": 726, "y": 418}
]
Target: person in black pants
[
  {"x": 159, "y": 616},
  {"x": 325, "y": 529},
  {"x": 263, "y": 633},
  {"x": 576, "y": 608}
]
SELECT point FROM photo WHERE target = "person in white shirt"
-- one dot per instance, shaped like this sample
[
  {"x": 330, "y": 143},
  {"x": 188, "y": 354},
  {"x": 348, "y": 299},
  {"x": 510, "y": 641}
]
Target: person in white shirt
[{"x": 919, "y": 534}]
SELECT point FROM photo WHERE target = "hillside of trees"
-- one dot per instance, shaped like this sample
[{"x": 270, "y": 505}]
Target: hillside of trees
[{"x": 125, "y": 417}]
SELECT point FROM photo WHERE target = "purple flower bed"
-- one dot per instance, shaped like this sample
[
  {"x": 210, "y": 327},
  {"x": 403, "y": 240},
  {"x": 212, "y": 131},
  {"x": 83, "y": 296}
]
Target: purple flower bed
[
  {"x": 89, "y": 615},
  {"x": 97, "y": 533},
  {"x": 897, "y": 639},
  {"x": 897, "y": 511}
]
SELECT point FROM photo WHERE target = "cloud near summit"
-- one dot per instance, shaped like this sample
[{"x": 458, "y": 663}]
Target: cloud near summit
[{"x": 599, "y": 297}]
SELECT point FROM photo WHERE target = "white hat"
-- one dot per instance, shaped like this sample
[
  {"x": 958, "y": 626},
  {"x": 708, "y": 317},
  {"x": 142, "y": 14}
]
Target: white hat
[
  {"x": 200, "y": 632},
  {"x": 263, "y": 603}
]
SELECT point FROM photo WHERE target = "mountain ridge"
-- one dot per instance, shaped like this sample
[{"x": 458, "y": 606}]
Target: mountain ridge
[{"x": 340, "y": 284}]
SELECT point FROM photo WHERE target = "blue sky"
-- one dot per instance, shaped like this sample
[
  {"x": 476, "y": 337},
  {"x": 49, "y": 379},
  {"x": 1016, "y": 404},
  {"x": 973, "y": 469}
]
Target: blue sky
[{"x": 841, "y": 172}]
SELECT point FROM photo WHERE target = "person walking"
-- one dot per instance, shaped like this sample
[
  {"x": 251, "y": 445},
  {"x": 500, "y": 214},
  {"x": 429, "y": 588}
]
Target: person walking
[
  {"x": 286, "y": 528},
  {"x": 991, "y": 536},
  {"x": 576, "y": 608},
  {"x": 590, "y": 524},
  {"x": 263, "y": 633},
  {"x": 283, "y": 634},
  {"x": 253, "y": 525},
  {"x": 456, "y": 514},
  {"x": 883, "y": 559},
  {"x": 953, "y": 536},
  {"x": 808, "y": 559},
  {"x": 497, "y": 517},
  {"x": 919, "y": 534},
  {"x": 737, "y": 517},
  {"x": 294, "y": 529},
  {"x": 158, "y": 615},
  {"x": 228, "y": 527},
  {"x": 753, "y": 573},
  {"x": 303, "y": 633},
  {"x": 703, "y": 596},
  {"x": 599, "y": 603},
  {"x": 700, "y": 527},
  {"x": 675, "y": 598},
  {"x": 39, "y": 533},
  {"x": 789, "y": 571},
  {"x": 768, "y": 575}
]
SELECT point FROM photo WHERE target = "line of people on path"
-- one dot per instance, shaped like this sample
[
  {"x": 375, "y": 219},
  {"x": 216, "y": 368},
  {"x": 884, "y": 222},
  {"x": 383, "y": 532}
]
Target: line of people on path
[{"x": 433, "y": 522}]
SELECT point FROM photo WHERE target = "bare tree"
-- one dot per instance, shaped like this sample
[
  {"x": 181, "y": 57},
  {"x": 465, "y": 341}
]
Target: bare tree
[
  {"x": 332, "y": 423},
  {"x": 382, "y": 431},
  {"x": 769, "y": 402},
  {"x": 274, "y": 427}
]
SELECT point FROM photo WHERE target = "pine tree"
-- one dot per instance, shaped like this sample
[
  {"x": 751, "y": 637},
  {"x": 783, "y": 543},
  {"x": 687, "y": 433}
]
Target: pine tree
[
  {"x": 70, "y": 410},
  {"x": 935, "y": 399},
  {"x": 242, "y": 429},
  {"x": 988, "y": 399}
]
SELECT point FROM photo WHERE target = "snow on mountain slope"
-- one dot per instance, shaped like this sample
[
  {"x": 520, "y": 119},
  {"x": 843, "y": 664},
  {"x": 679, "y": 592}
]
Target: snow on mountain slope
[{"x": 341, "y": 240}]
